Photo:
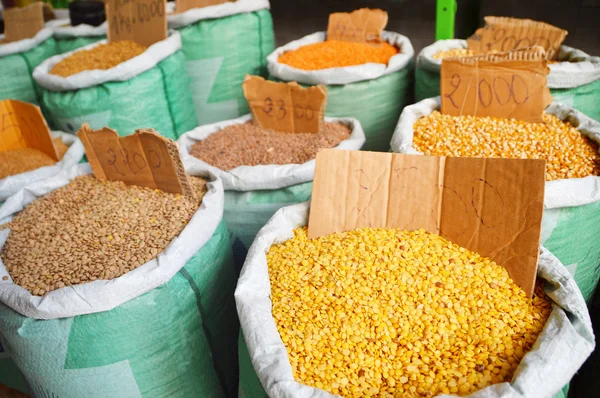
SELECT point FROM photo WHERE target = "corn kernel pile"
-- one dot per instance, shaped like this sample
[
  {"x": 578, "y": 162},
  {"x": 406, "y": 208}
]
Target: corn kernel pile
[
  {"x": 387, "y": 312},
  {"x": 453, "y": 52},
  {"x": 568, "y": 153},
  {"x": 336, "y": 54}
]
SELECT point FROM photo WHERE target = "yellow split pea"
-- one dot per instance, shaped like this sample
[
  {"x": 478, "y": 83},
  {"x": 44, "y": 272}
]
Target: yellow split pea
[{"x": 387, "y": 312}]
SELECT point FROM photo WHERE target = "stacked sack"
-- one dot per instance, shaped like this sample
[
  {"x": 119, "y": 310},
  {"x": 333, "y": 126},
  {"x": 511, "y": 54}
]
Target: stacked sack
[
  {"x": 373, "y": 93},
  {"x": 571, "y": 220},
  {"x": 221, "y": 44},
  {"x": 574, "y": 79},
  {"x": 165, "y": 327},
  {"x": 149, "y": 88}
]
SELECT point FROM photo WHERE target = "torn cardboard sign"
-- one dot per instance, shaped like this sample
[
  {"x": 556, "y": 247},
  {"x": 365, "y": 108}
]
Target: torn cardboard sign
[
  {"x": 504, "y": 34},
  {"x": 144, "y": 158},
  {"x": 490, "y": 206},
  {"x": 504, "y": 85},
  {"x": 285, "y": 107},
  {"x": 141, "y": 21},
  {"x": 24, "y": 126},
  {"x": 23, "y": 23},
  {"x": 361, "y": 26}
]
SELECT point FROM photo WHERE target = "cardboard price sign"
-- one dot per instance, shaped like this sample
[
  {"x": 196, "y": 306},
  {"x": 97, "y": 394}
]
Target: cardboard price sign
[
  {"x": 503, "y": 85},
  {"x": 23, "y": 23},
  {"x": 23, "y": 126},
  {"x": 144, "y": 158},
  {"x": 184, "y": 5},
  {"x": 504, "y": 34},
  {"x": 286, "y": 107},
  {"x": 489, "y": 206},
  {"x": 362, "y": 26},
  {"x": 141, "y": 21}
]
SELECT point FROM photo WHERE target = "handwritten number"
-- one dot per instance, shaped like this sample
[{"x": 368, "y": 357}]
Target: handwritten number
[
  {"x": 454, "y": 82},
  {"x": 482, "y": 96},
  {"x": 513, "y": 83},
  {"x": 497, "y": 90},
  {"x": 310, "y": 114},
  {"x": 154, "y": 159},
  {"x": 298, "y": 112},
  {"x": 139, "y": 160},
  {"x": 112, "y": 160},
  {"x": 268, "y": 106},
  {"x": 282, "y": 110}
]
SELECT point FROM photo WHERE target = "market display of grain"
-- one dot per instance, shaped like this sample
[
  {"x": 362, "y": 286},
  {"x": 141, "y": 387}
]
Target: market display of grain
[
  {"x": 19, "y": 161},
  {"x": 249, "y": 145},
  {"x": 103, "y": 56},
  {"x": 335, "y": 54},
  {"x": 568, "y": 153},
  {"x": 452, "y": 53},
  {"x": 91, "y": 230},
  {"x": 386, "y": 312}
]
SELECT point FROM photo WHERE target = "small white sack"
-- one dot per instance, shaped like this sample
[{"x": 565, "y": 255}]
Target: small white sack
[
  {"x": 559, "y": 193},
  {"x": 62, "y": 29},
  {"x": 103, "y": 295},
  {"x": 21, "y": 46},
  {"x": 343, "y": 75},
  {"x": 250, "y": 178},
  {"x": 576, "y": 68},
  {"x": 11, "y": 184},
  {"x": 564, "y": 344},
  {"x": 122, "y": 72},
  {"x": 213, "y": 12}
]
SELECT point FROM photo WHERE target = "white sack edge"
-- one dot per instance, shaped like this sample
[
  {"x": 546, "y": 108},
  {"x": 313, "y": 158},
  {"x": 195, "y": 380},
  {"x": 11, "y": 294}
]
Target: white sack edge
[
  {"x": 217, "y": 11},
  {"x": 344, "y": 75},
  {"x": 559, "y": 193},
  {"x": 565, "y": 340},
  {"x": 122, "y": 72},
  {"x": 104, "y": 295},
  {"x": 250, "y": 178},
  {"x": 61, "y": 31},
  {"x": 11, "y": 184},
  {"x": 576, "y": 69},
  {"x": 24, "y": 45}
]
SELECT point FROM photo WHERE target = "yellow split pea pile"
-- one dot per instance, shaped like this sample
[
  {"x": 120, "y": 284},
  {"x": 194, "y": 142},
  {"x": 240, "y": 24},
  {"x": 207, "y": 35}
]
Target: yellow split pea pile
[
  {"x": 103, "y": 56},
  {"x": 19, "y": 161},
  {"x": 89, "y": 230},
  {"x": 387, "y": 312},
  {"x": 569, "y": 154}
]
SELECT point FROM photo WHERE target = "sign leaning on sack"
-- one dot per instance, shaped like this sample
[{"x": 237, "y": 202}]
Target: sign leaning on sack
[
  {"x": 504, "y": 85},
  {"x": 23, "y": 22},
  {"x": 489, "y": 206},
  {"x": 285, "y": 107},
  {"x": 141, "y": 21},
  {"x": 362, "y": 26}
]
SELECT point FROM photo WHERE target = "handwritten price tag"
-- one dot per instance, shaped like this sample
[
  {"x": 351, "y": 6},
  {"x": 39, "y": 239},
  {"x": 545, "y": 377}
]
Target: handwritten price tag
[
  {"x": 144, "y": 158},
  {"x": 142, "y": 21},
  {"x": 23, "y": 23},
  {"x": 285, "y": 107},
  {"x": 23, "y": 126},
  {"x": 184, "y": 5},
  {"x": 362, "y": 26},
  {"x": 503, "y": 85},
  {"x": 504, "y": 34}
]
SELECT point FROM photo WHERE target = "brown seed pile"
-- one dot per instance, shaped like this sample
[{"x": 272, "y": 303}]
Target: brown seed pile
[
  {"x": 89, "y": 230},
  {"x": 104, "y": 56},
  {"x": 22, "y": 160},
  {"x": 568, "y": 153},
  {"x": 453, "y": 52},
  {"x": 249, "y": 145}
]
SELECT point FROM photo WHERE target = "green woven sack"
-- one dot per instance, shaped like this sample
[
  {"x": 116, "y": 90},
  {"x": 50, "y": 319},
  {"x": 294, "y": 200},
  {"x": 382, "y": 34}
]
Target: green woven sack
[
  {"x": 150, "y": 90},
  {"x": 69, "y": 38},
  {"x": 222, "y": 44},
  {"x": 167, "y": 329},
  {"x": 571, "y": 222},
  {"x": 17, "y": 62},
  {"x": 574, "y": 81}
]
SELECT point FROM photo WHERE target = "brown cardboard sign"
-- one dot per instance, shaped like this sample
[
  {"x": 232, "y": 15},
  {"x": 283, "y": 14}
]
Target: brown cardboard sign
[
  {"x": 141, "y": 21},
  {"x": 23, "y": 126},
  {"x": 362, "y": 26},
  {"x": 285, "y": 107},
  {"x": 23, "y": 23},
  {"x": 184, "y": 5},
  {"x": 144, "y": 158},
  {"x": 490, "y": 206},
  {"x": 504, "y": 85},
  {"x": 504, "y": 34}
]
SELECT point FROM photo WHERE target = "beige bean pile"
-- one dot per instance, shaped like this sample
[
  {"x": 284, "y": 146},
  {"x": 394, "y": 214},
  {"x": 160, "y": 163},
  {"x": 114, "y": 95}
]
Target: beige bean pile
[
  {"x": 393, "y": 313},
  {"x": 19, "y": 161},
  {"x": 90, "y": 230},
  {"x": 249, "y": 145}
]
